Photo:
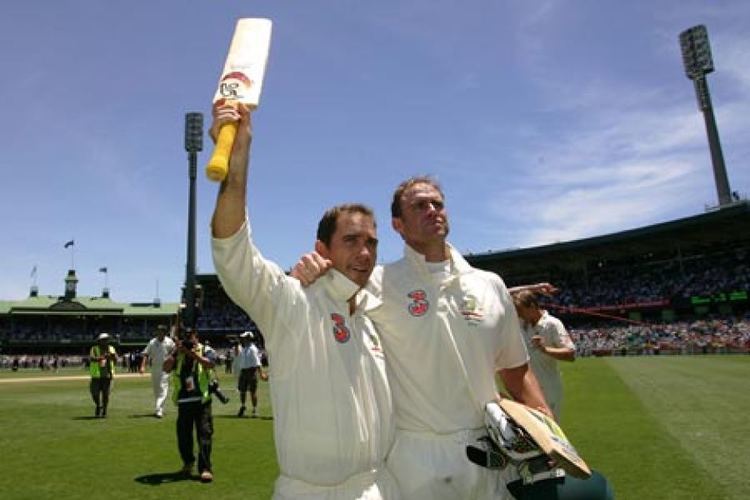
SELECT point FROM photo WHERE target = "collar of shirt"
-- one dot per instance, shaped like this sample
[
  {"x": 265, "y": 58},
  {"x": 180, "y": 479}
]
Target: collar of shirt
[
  {"x": 458, "y": 266},
  {"x": 341, "y": 288}
]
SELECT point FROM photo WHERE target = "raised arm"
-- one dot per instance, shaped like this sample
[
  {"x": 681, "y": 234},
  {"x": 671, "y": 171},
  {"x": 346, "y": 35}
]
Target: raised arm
[
  {"x": 544, "y": 288},
  {"x": 229, "y": 213}
]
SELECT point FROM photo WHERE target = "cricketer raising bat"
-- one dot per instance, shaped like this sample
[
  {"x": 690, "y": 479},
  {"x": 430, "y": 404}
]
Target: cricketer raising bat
[{"x": 240, "y": 82}]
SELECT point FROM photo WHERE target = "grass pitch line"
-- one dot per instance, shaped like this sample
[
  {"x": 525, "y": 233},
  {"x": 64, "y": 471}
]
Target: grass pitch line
[{"x": 63, "y": 378}]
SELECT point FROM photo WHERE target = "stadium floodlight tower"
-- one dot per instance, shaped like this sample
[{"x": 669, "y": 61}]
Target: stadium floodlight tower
[
  {"x": 696, "y": 57},
  {"x": 193, "y": 144}
]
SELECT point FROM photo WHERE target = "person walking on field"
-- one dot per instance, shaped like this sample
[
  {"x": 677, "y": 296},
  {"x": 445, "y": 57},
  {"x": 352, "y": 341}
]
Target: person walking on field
[
  {"x": 447, "y": 329},
  {"x": 191, "y": 364},
  {"x": 333, "y": 417},
  {"x": 156, "y": 352},
  {"x": 102, "y": 361},
  {"x": 248, "y": 370}
]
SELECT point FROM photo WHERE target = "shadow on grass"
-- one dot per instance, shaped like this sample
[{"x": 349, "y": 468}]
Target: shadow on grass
[
  {"x": 143, "y": 415},
  {"x": 88, "y": 417},
  {"x": 245, "y": 417},
  {"x": 164, "y": 478}
]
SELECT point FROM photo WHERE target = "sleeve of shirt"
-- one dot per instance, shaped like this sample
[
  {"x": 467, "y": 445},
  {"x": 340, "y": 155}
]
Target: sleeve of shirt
[
  {"x": 258, "y": 286},
  {"x": 561, "y": 336},
  {"x": 512, "y": 352}
]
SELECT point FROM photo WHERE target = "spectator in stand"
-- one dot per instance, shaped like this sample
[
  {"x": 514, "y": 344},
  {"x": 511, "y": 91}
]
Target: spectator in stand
[{"x": 548, "y": 342}]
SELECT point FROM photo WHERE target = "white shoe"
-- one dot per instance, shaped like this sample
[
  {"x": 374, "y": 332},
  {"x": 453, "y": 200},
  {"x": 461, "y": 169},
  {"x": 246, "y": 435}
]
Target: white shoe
[
  {"x": 255, "y": 412},
  {"x": 159, "y": 413}
]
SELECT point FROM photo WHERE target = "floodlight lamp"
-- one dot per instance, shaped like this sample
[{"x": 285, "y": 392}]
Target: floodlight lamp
[
  {"x": 696, "y": 52},
  {"x": 193, "y": 132}
]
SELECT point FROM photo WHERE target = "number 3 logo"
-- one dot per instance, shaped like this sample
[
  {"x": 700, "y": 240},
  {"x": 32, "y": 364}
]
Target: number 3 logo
[
  {"x": 419, "y": 305},
  {"x": 340, "y": 331}
]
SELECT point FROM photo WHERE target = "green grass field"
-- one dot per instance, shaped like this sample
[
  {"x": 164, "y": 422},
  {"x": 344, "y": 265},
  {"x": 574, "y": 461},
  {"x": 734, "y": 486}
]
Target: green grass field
[{"x": 657, "y": 427}]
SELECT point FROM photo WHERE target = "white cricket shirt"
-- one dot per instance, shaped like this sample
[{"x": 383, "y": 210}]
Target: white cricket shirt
[
  {"x": 444, "y": 339},
  {"x": 331, "y": 400},
  {"x": 545, "y": 367},
  {"x": 158, "y": 351},
  {"x": 247, "y": 357}
]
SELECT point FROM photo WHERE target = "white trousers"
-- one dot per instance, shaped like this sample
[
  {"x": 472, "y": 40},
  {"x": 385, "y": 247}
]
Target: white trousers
[
  {"x": 160, "y": 381},
  {"x": 371, "y": 485},
  {"x": 431, "y": 466}
]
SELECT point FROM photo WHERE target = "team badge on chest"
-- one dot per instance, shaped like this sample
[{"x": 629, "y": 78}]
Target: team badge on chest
[
  {"x": 340, "y": 330},
  {"x": 471, "y": 310},
  {"x": 419, "y": 304}
]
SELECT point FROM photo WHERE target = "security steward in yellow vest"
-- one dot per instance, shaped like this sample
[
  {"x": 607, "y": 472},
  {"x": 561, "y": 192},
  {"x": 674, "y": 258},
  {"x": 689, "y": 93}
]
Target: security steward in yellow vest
[
  {"x": 102, "y": 361},
  {"x": 190, "y": 365}
]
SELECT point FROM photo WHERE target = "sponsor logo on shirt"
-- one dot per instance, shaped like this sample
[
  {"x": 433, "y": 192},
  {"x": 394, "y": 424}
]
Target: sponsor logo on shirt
[
  {"x": 471, "y": 311},
  {"x": 419, "y": 304},
  {"x": 340, "y": 331}
]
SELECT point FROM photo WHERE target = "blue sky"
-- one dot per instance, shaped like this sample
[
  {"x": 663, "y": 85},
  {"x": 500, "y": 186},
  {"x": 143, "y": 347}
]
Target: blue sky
[{"x": 545, "y": 121}]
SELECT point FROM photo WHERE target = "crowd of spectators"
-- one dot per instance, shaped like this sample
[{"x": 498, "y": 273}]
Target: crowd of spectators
[
  {"x": 48, "y": 362},
  {"x": 36, "y": 329},
  {"x": 636, "y": 281},
  {"x": 700, "y": 336}
]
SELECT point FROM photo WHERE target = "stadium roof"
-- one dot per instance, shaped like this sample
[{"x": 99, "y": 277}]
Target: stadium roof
[
  {"x": 715, "y": 227},
  {"x": 100, "y": 306}
]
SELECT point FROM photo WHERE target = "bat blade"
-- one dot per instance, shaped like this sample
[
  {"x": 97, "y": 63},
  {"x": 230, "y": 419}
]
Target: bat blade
[
  {"x": 241, "y": 81},
  {"x": 549, "y": 436}
]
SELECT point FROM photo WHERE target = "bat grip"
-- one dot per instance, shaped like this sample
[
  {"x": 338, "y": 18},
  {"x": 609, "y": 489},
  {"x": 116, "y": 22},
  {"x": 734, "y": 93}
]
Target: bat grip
[{"x": 218, "y": 166}]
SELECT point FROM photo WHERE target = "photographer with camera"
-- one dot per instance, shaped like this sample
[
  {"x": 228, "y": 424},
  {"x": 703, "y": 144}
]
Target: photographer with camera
[{"x": 191, "y": 365}]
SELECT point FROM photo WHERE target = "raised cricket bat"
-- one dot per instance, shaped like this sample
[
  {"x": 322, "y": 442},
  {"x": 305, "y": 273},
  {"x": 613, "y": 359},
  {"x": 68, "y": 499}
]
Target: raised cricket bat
[
  {"x": 240, "y": 82},
  {"x": 549, "y": 436}
]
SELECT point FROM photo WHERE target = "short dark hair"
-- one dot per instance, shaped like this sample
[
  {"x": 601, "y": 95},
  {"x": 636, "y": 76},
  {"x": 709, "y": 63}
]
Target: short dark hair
[
  {"x": 525, "y": 298},
  {"x": 401, "y": 189},
  {"x": 327, "y": 224}
]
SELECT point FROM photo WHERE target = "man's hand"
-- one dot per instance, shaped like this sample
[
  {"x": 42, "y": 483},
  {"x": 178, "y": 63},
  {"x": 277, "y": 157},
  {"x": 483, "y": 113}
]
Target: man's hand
[
  {"x": 538, "y": 342},
  {"x": 224, "y": 113},
  {"x": 545, "y": 289},
  {"x": 310, "y": 267}
]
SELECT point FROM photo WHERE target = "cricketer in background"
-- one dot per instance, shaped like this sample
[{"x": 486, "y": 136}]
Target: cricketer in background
[
  {"x": 156, "y": 352},
  {"x": 548, "y": 342}
]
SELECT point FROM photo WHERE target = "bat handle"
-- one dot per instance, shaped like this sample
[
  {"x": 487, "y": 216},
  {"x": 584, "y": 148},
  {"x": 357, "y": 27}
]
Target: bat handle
[{"x": 218, "y": 166}]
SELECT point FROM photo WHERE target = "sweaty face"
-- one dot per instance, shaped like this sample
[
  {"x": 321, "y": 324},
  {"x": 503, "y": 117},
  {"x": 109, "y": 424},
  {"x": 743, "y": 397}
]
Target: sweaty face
[
  {"x": 353, "y": 248},
  {"x": 424, "y": 219}
]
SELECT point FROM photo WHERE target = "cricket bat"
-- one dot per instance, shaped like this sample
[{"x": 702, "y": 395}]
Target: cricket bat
[
  {"x": 549, "y": 436},
  {"x": 240, "y": 82}
]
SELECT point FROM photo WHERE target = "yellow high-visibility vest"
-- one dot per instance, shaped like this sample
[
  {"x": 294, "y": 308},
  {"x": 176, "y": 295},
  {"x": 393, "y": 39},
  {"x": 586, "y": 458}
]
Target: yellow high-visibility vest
[
  {"x": 94, "y": 368},
  {"x": 204, "y": 378}
]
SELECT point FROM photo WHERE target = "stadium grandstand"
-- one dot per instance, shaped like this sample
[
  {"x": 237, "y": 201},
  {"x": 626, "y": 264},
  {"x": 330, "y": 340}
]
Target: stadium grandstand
[
  {"x": 68, "y": 323},
  {"x": 679, "y": 286},
  {"x": 675, "y": 287}
]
